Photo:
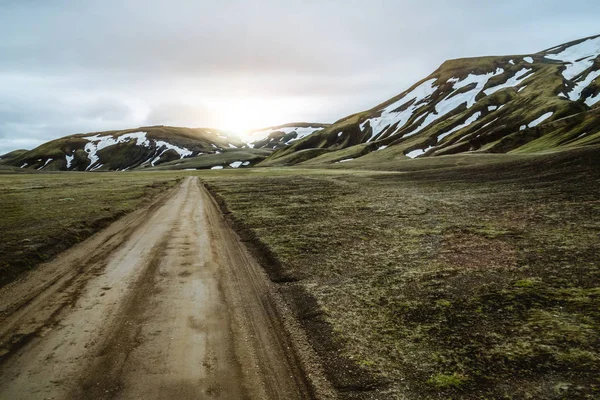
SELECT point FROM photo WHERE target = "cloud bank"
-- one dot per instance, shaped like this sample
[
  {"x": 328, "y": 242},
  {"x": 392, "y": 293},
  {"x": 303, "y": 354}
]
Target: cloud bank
[{"x": 69, "y": 67}]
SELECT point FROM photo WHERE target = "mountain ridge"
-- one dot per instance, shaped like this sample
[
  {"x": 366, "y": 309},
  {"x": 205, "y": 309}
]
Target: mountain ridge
[
  {"x": 467, "y": 105},
  {"x": 458, "y": 99}
]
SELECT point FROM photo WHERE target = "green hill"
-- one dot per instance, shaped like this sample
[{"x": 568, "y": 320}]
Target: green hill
[
  {"x": 489, "y": 104},
  {"x": 124, "y": 149}
]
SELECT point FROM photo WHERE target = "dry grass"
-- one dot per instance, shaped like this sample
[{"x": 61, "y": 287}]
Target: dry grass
[
  {"x": 463, "y": 282},
  {"x": 43, "y": 214}
]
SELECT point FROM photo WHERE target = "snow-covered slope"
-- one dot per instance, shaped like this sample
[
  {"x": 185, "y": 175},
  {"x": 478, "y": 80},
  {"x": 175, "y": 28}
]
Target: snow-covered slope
[
  {"x": 581, "y": 69},
  {"x": 276, "y": 137},
  {"x": 485, "y": 104},
  {"x": 470, "y": 104},
  {"x": 127, "y": 149}
]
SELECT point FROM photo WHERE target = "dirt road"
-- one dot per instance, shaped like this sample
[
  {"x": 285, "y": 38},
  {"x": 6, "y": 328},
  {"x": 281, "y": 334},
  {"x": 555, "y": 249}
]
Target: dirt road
[{"x": 164, "y": 304}]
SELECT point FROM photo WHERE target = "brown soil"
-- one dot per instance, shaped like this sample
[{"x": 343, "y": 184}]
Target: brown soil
[{"x": 164, "y": 303}]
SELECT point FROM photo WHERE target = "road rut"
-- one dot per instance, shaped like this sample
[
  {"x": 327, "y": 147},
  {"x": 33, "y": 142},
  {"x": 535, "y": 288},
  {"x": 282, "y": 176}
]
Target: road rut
[{"x": 165, "y": 303}]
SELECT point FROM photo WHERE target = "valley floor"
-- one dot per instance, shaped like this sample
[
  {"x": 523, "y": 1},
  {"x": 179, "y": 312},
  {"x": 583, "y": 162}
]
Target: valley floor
[
  {"x": 457, "y": 278},
  {"x": 471, "y": 282}
]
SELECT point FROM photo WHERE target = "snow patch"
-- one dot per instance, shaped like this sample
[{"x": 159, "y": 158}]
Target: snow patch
[
  {"x": 217, "y": 167},
  {"x": 580, "y": 136},
  {"x": 46, "y": 163},
  {"x": 492, "y": 108},
  {"x": 592, "y": 100},
  {"x": 418, "y": 152},
  {"x": 511, "y": 82},
  {"x": 235, "y": 164},
  {"x": 537, "y": 121},
  {"x": 528, "y": 60},
  {"x": 578, "y": 57},
  {"x": 69, "y": 160},
  {"x": 301, "y": 132},
  {"x": 98, "y": 142},
  {"x": 468, "y": 122},
  {"x": 451, "y": 102},
  {"x": 347, "y": 159},
  {"x": 389, "y": 117},
  {"x": 24, "y": 165},
  {"x": 575, "y": 94},
  {"x": 541, "y": 119},
  {"x": 160, "y": 144},
  {"x": 381, "y": 148},
  {"x": 489, "y": 123},
  {"x": 182, "y": 151}
]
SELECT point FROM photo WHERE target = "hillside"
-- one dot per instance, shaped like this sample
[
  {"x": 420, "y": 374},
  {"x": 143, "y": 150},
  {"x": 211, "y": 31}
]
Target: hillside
[
  {"x": 496, "y": 104},
  {"x": 485, "y": 104},
  {"x": 124, "y": 149},
  {"x": 157, "y": 147},
  {"x": 13, "y": 154},
  {"x": 276, "y": 137}
]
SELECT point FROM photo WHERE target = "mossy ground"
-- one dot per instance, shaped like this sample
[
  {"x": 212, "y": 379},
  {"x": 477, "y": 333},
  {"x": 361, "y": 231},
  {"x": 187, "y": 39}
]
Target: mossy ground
[
  {"x": 43, "y": 214},
  {"x": 471, "y": 282}
]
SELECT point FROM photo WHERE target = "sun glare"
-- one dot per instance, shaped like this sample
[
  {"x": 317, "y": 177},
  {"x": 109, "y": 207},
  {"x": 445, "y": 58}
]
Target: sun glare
[{"x": 241, "y": 116}]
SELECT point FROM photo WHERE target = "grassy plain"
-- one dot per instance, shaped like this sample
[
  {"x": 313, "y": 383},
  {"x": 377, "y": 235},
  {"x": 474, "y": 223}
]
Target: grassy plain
[
  {"x": 43, "y": 214},
  {"x": 464, "y": 277},
  {"x": 468, "y": 282}
]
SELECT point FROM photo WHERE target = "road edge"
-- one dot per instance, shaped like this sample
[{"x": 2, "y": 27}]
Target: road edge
[{"x": 306, "y": 356}]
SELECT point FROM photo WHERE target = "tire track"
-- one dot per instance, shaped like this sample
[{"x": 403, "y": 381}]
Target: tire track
[{"x": 168, "y": 305}]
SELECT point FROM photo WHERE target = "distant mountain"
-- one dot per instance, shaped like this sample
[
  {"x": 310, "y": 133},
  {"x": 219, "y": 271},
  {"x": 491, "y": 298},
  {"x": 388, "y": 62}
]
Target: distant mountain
[
  {"x": 277, "y": 137},
  {"x": 157, "y": 147},
  {"x": 518, "y": 103},
  {"x": 485, "y": 104},
  {"x": 143, "y": 147}
]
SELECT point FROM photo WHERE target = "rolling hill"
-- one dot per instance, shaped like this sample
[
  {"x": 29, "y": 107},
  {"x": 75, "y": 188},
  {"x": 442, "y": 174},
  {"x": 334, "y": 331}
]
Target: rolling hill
[
  {"x": 280, "y": 136},
  {"x": 492, "y": 104},
  {"x": 143, "y": 147},
  {"x": 156, "y": 147}
]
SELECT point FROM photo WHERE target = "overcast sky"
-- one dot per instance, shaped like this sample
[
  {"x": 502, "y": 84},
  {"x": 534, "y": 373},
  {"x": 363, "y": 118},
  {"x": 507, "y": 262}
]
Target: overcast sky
[{"x": 69, "y": 66}]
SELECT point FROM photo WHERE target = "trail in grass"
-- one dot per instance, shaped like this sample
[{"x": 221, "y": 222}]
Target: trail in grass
[{"x": 165, "y": 303}]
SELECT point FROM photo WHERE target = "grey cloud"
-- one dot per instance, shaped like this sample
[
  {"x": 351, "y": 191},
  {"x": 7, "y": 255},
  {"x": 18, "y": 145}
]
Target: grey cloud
[
  {"x": 86, "y": 66},
  {"x": 28, "y": 122}
]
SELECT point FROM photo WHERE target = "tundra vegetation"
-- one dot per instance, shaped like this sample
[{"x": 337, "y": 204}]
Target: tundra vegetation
[
  {"x": 43, "y": 214},
  {"x": 475, "y": 281}
]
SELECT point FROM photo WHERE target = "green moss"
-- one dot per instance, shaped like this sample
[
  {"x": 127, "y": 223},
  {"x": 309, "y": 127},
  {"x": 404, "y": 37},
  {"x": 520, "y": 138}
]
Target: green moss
[
  {"x": 443, "y": 303},
  {"x": 525, "y": 283},
  {"x": 487, "y": 265},
  {"x": 293, "y": 158},
  {"x": 44, "y": 214},
  {"x": 447, "y": 381}
]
